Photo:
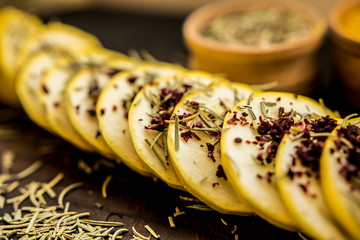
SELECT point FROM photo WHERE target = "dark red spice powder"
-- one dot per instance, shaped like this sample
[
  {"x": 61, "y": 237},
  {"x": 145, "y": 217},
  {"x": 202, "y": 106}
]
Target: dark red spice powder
[
  {"x": 168, "y": 99},
  {"x": 351, "y": 170},
  {"x": 272, "y": 130},
  {"x": 220, "y": 172},
  {"x": 189, "y": 134},
  {"x": 44, "y": 89},
  {"x": 132, "y": 79},
  {"x": 98, "y": 134},
  {"x": 309, "y": 150},
  {"x": 211, "y": 149},
  {"x": 91, "y": 112},
  {"x": 238, "y": 140},
  {"x": 112, "y": 72},
  {"x": 56, "y": 104}
]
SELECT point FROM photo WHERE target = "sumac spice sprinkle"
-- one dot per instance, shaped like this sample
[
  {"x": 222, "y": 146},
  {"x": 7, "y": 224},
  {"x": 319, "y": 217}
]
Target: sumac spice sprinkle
[
  {"x": 132, "y": 79},
  {"x": 220, "y": 172},
  {"x": 91, "y": 112},
  {"x": 168, "y": 99},
  {"x": 112, "y": 72},
  {"x": 98, "y": 133},
  {"x": 56, "y": 104},
  {"x": 309, "y": 150},
  {"x": 189, "y": 134},
  {"x": 350, "y": 169},
  {"x": 272, "y": 131},
  {"x": 211, "y": 149},
  {"x": 238, "y": 140},
  {"x": 44, "y": 89},
  {"x": 77, "y": 109},
  {"x": 94, "y": 90}
]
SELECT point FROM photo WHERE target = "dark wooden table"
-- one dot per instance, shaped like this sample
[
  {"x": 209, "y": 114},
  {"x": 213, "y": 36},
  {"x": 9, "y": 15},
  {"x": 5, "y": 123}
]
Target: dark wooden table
[{"x": 133, "y": 199}]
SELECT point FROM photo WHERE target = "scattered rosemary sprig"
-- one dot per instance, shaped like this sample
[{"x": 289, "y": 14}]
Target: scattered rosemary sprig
[
  {"x": 343, "y": 123},
  {"x": 171, "y": 221},
  {"x": 49, "y": 222},
  {"x": 201, "y": 129},
  {"x": 201, "y": 207},
  {"x": 251, "y": 112},
  {"x": 157, "y": 154},
  {"x": 104, "y": 186},
  {"x": 250, "y": 99},
  {"x": 265, "y": 86},
  {"x": 65, "y": 191},
  {"x": 264, "y": 111},
  {"x": 137, "y": 235},
  {"x": 177, "y": 134},
  {"x": 152, "y": 232}
]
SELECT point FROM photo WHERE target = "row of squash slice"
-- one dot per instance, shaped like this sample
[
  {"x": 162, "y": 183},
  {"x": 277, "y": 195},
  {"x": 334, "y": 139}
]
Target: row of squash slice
[{"x": 282, "y": 155}]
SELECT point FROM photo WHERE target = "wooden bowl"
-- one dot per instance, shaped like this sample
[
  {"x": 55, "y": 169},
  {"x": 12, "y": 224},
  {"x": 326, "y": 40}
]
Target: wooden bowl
[
  {"x": 345, "y": 51},
  {"x": 292, "y": 64}
]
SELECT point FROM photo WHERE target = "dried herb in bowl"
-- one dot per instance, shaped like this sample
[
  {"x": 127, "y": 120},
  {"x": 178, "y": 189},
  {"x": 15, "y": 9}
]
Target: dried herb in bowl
[{"x": 261, "y": 27}]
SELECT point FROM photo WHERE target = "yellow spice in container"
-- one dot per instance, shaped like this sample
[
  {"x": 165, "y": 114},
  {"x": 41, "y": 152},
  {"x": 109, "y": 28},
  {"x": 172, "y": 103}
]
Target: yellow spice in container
[{"x": 350, "y": 22}]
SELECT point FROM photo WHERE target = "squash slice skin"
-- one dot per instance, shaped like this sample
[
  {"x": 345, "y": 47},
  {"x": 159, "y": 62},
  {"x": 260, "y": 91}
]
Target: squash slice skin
[
  {"x": 195, "y": 169},
  {"x": 28, "y": 85},
  {"x": 246, "y": 175},
  {"x": 56, "y": 35},
  {"x": 114, "y": 103},
  {"x": 309, "y": 209},
  {"x": 15, "y": 27},
  {"x": 336, "y": 190},
  {"x": 56, "y": 80},
  {"x": 139, "y": 118},
  {"x": 81, "y": 97}
]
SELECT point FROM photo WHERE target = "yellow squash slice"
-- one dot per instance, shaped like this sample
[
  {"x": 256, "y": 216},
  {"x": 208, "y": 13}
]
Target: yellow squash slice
[
  {"x": 81, "y": 96},
  {"x": 247, "y": 149},
  {"x": 28, "y": 84},
  {"x": 152, "y": 106},
  {"x": 297, "y": 165},
  {"x": 15, "y": 27},
  {"x": 341, "y": 195},
  {"x": 193, "y": 147},
  {"x": 55, "y": 35},
  {"x": 55, "y": 82},
  {"x": 113, "y": 106}
]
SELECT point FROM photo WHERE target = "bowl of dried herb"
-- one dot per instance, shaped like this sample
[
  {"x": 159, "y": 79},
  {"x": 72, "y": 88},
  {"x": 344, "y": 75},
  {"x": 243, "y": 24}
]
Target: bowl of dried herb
[
  {"x": 257, "y": 42},
  {"x": 344, "y": 20}
]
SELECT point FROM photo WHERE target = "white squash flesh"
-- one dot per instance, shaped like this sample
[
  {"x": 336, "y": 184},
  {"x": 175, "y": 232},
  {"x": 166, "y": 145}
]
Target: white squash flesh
[
  {"x": 113, "y": 106},
  {"x": 28, "y": 85},
  {"x": 139, "y": 118},
  {"x": 56, "y": 80},
  {"x": 81, "y": 97},
  {"x": 195, "y": 169},
  {"x": 247, "y": 176},
  {"x": 341, "y": 197},
  {"x": 302, "y": 195}
]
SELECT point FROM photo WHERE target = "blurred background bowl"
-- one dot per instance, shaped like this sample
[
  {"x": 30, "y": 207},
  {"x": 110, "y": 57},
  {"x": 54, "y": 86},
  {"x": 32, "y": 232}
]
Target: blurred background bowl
[
  {"x": 344, "y": 20},
  {"x": 292, "y": 64}
]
